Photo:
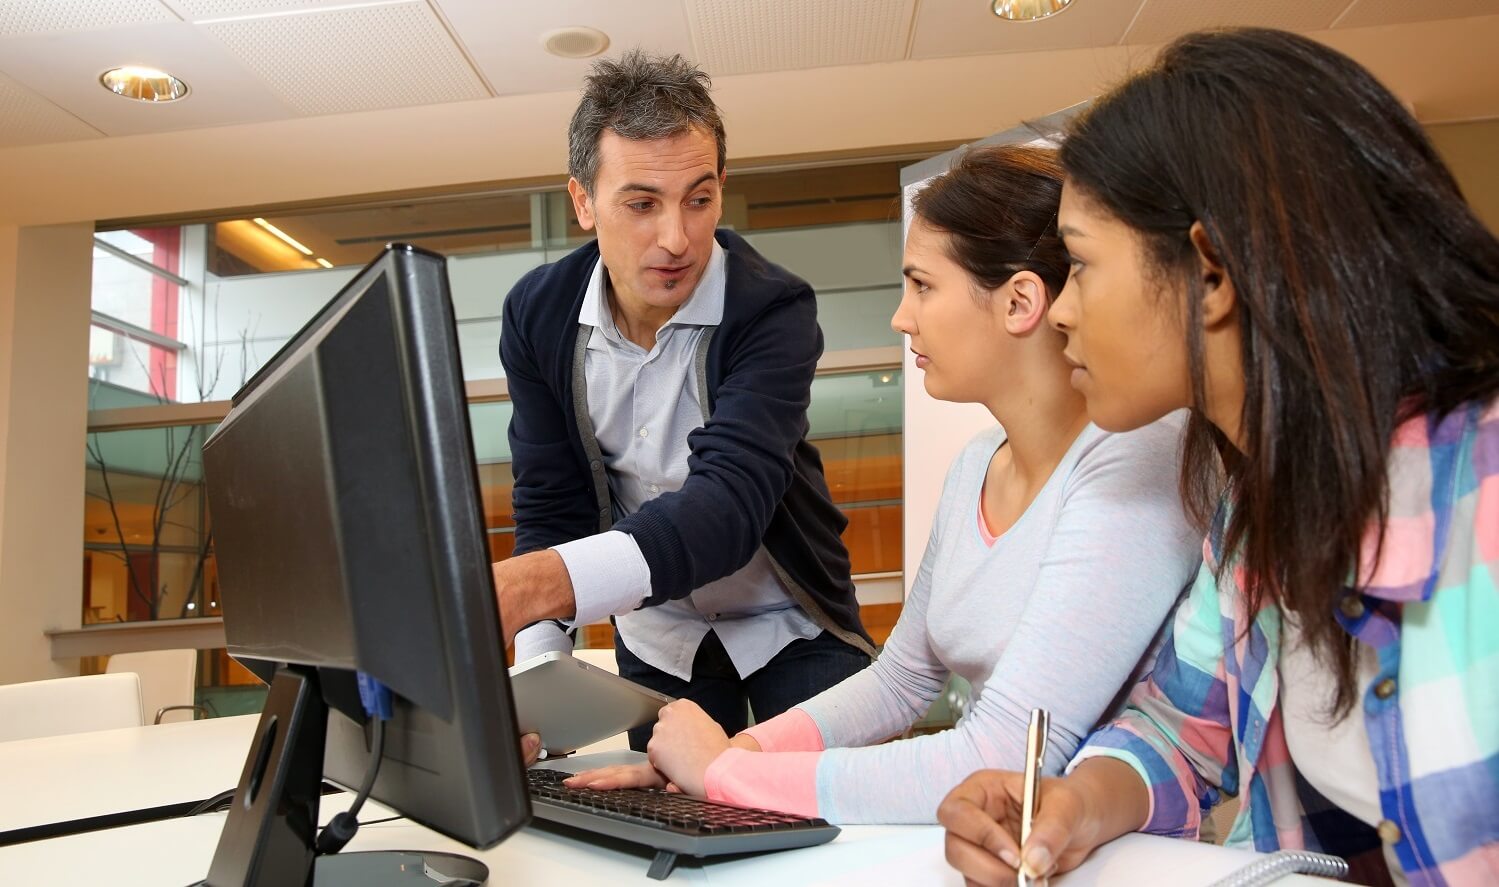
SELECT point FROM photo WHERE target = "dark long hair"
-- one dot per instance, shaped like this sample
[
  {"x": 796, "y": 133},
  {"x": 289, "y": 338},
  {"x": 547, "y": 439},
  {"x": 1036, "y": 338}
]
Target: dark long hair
[
  {"x": 1368, "y": 292},
  {"x": 998, "y": 206}
]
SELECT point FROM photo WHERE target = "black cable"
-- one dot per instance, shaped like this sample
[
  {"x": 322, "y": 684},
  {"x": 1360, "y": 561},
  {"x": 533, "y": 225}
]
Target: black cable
[
  {"x": 221, "y": 801},
  {"x": 341, "y": 828},
  {"x": 210, "y": 805},
  {"x": 377, "y": 752}
]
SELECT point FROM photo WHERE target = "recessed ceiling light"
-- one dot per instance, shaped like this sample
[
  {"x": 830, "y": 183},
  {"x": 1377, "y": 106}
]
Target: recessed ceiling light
[
  {"x": 143, "y": 84},
  {"x": 1028, "y": 10},
  {"x": 575, "y": 43}
]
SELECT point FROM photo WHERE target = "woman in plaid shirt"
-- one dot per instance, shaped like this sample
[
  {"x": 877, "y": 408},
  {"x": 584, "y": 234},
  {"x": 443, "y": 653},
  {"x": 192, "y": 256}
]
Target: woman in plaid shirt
[{"x": 1261, "y": 232}]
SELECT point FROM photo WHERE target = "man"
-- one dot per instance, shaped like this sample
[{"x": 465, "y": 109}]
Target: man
[{"x": 660, "y": 378}]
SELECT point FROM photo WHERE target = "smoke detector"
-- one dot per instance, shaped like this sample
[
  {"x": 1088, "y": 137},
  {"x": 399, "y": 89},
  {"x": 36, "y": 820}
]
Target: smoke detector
[{"x": 575, "y": 43}]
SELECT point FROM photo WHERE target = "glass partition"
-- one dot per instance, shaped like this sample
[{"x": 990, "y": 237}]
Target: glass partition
[
  {"x": 189, "y": 314},
  {"x": 856, "y": 425},
  {"x": 255, "y": 281},
  {"x": 147, "y": 546}
]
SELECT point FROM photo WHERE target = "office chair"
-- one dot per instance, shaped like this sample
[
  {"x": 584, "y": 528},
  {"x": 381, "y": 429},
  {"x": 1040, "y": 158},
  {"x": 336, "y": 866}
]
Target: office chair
[
  {"x": 168, "y": 680},
  {"x": 69, "y": 705}
]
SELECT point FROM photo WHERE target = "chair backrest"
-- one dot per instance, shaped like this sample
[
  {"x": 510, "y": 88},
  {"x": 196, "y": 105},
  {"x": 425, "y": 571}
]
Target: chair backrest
[
  {"x": 69, "y": 705},
  {"x": 168, "y": 677}
]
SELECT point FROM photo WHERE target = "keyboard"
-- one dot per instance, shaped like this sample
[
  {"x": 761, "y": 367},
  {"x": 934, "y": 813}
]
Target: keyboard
[{"x": 671, "y": 824}]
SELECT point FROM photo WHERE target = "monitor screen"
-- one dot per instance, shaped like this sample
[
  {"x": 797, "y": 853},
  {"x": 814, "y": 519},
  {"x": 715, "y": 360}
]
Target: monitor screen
[{"x": 349, "y": 539}]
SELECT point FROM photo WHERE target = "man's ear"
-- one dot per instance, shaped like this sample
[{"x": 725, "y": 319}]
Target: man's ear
[
  {"x": 1024, "y": 303},
  {"x": 582, "y": 204},
  {"x": 1219, "y": 298}
]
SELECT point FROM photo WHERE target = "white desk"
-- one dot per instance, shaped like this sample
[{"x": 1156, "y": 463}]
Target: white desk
[
  {"x": 107, "y": 770},
  {"x": 85, "y": 775}
]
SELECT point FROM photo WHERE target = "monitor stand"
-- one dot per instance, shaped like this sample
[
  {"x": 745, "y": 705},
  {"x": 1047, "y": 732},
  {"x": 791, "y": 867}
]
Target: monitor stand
[{"x": 269, "y": 836}]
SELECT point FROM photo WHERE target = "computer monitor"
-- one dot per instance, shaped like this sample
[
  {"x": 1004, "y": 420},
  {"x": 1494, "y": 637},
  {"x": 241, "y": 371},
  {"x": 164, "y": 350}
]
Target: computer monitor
[{"x": 348, "y": 534}]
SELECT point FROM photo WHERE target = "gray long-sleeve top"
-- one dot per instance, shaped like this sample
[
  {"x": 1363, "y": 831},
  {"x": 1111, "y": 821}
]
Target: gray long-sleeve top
[{"x": 1061, "y": 613}]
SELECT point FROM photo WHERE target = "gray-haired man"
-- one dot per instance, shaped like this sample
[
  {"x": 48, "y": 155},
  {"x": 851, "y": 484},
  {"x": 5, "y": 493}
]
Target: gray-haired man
[{"x": 660, "y": 378}]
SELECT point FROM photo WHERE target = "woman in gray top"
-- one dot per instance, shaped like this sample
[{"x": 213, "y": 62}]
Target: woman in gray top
[{"x": 1056, "y": 554}]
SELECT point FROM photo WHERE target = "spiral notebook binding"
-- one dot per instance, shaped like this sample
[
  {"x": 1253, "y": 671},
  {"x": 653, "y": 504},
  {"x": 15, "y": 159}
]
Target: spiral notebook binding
[{"x": 1285, "y": 862}]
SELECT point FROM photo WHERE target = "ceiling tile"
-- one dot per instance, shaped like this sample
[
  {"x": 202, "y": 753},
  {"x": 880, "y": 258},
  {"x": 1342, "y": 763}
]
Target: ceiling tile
[
  {"x": 735, "y": 37},
  {"x": 199, "y": 10},
  {"x": 204, "y": 11},
  {"x": 1367, "y": 13},
  {"x": 970, "y": 27},
  {"x": 1161, "y": 20},
  {"x": 504, "y": 39},
  {"x": 28, "y": 119},
  {"x": 354, "y": 59},
  {"x": 26, "y": 17},
  {"x": 65, "y": 69}
]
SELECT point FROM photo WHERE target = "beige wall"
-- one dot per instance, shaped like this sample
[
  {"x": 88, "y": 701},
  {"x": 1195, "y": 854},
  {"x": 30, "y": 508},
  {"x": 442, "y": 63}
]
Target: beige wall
[
  {"x": 44, "y": 315},
  {"x": 1472, "y": 150},
  {"x": 9, "y": 238}
]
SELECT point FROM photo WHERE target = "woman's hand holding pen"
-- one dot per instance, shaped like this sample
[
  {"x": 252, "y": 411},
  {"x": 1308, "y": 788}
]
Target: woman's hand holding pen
[{"x": 1101, "y": 800}]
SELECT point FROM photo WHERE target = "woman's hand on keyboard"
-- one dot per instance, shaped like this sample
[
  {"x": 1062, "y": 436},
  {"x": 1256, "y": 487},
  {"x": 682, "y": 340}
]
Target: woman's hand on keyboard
[
  {"x": 618, "y": 776},
  {"x": 684, "y": 744}
]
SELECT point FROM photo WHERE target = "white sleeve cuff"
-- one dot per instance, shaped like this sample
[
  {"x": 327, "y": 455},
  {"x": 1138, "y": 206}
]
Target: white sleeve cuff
[
  {"x": 609, "y": 575},
  {"x": 543, "y": 637}
]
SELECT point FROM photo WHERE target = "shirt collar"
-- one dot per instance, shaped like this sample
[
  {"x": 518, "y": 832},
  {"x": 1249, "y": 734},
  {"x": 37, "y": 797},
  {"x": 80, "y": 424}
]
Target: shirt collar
[{"x": 705, "y": 308}]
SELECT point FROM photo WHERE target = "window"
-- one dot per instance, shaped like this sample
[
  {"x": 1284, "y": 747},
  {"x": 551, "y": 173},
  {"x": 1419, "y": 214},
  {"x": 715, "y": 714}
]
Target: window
[
  {"x": 137, "y": 291},
  {"x": 187, "y": 315},
  {"x": 147, "y": 546}
]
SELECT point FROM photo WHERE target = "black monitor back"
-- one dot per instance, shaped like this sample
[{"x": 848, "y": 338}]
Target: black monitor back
[{"x": 348, "y": 533}]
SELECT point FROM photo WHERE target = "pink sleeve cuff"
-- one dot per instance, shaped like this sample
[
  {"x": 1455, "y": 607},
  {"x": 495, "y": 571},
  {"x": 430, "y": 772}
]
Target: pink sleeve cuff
[
  {"x": 792, "y": 731},
  {"x": 785, "y": 782}
]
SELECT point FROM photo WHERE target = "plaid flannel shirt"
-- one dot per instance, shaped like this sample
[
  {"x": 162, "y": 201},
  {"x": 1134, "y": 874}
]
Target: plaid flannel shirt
[{"x": 1208, "y": 719}]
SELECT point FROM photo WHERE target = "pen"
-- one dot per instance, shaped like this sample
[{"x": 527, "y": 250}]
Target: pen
[{"x": 1035, "y": 754}]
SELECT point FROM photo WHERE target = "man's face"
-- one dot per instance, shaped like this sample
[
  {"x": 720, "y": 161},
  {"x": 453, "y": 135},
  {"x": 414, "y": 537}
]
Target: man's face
[{"x": 654, "y": 207}]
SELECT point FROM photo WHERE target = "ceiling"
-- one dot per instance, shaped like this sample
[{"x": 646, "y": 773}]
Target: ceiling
[
  {"x": 281, "y": 80},
  {"x": 250, "y": 61}
]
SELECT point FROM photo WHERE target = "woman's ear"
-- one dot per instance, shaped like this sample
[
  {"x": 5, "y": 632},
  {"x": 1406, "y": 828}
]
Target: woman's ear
[
  {"x": 1218, "y": 295},
  {"x": 1024, "y": 303}
]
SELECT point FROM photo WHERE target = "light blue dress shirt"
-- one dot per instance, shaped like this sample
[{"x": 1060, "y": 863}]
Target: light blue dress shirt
[{"x": 643, "y": 404}]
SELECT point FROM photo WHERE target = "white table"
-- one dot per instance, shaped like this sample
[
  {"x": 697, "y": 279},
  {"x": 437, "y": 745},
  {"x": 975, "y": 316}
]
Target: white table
[
  {"x": 59, "y": 779},
  {"x": 69, "y": 778}
]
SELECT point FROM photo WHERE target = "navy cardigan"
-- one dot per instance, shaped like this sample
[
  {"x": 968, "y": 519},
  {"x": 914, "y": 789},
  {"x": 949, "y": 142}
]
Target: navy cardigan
[{"x": 753, "y": 478}]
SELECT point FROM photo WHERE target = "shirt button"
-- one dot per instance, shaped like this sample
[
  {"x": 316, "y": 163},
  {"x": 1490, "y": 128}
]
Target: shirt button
[
  {"x": 1389, "y": 832},
  {"x": 644, "y": 433},
  {"x": 653, "y": 488},
  {"x": 712, "y": 617},
  {"x": 1385, "y": 689},
  {"x": 1352, "y": 606}
]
